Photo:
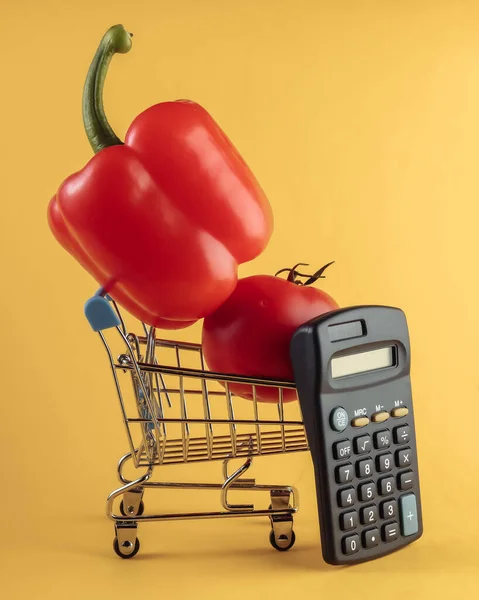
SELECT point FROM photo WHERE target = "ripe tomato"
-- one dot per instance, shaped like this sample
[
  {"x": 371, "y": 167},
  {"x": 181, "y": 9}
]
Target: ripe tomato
[{"x": 251, "y": 332}]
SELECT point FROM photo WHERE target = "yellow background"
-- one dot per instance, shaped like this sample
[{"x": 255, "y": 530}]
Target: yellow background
[{"x": 361, "y": 121}]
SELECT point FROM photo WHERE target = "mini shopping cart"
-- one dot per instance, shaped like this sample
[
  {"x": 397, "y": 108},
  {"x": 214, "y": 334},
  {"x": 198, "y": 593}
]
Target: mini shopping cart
[{"x": 176, "y": 412}]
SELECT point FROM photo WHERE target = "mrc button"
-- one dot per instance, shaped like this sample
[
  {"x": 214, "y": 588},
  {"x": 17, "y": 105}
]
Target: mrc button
[{"x": 339, "y": 419}]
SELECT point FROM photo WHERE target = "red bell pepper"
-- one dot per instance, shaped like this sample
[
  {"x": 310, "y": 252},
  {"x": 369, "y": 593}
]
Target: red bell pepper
[{"x": 163, "y": 220}]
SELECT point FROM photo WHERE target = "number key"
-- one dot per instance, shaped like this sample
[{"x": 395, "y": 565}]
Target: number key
[
  {"x": 382, "y": 439},
  {"x": 386, "y": 486},
  {"x": 349, "y": 520},
  {"x": 385, "y": 462},
  {"x": 367, "y": 491},
  {"x": 389, "y": 509},
  {"x": 369, "y": 514},
  {"x": 346, "y": 497},
  {"x": 344, "y": 473},
  {"x": 351, "y": 544},
  {"x": 364, "y": 468}
]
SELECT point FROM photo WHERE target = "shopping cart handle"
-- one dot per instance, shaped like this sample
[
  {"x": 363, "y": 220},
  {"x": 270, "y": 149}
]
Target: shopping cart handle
[{"x": 100, "y": 313}]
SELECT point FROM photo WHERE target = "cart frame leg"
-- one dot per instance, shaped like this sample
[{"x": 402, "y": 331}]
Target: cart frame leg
[
  {"x": 282, "y": 535},
  {"x": 284, "y": 504},
  {"x": 126, "y": 543},
  {"x": 132, "y": 502}
]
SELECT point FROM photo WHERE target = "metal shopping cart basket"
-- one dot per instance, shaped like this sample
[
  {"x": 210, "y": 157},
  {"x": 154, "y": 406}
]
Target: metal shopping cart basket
[{"x": 175, "y": 411}]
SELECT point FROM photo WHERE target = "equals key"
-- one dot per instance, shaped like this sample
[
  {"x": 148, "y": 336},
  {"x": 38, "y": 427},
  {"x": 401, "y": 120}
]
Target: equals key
[{"x": 390, "y": 532}]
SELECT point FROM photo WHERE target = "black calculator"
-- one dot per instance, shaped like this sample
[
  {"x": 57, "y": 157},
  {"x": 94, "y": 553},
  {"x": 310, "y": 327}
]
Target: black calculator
[{"x": 352, "y": 372}]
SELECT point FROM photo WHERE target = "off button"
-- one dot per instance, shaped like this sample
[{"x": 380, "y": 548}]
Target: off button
[{"x": 339, "y": 419}]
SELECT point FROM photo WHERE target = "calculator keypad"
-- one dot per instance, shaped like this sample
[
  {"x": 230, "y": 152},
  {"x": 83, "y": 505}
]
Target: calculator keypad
[{"x": 372, "y": 514}]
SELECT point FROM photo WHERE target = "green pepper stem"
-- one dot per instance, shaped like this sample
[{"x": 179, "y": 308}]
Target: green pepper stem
[{"x": 98, "y": 130}]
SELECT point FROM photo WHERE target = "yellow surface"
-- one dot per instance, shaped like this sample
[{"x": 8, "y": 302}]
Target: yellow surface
[{"x": 361, "y": 120}]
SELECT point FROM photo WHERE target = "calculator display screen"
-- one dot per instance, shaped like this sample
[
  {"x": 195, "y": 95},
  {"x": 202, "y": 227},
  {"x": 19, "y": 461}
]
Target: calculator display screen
[{"x": 361, "y": 362}]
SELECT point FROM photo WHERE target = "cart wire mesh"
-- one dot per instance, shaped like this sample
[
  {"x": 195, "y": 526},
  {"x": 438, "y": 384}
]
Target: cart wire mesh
[{"x": 176, "y": 411}]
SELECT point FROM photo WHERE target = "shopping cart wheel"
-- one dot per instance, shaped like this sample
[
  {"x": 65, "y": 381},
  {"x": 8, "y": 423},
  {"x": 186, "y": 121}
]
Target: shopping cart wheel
[
  {"x": 141, "y": 509},
  {"x": 284, "y": 546},
  {"x": 121, "y": 551}
]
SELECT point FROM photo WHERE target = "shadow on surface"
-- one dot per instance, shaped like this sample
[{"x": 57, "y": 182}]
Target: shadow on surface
[
  {"x": 181, "y": 542},
  {"x": 304, "y": 557}
]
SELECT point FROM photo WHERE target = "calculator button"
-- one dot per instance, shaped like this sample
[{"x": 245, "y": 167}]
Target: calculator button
[
  {"x": 369, "y": 514},
  {"x": 344, "y": 473},
  {"x": 360, "y": 422},
  {"x": 365, "y": 468},
  {"x": 400, "y": 411},
  {"x": 406, "y": 480},
  {"x": 380, "y": 417},
  {"x": 403, "y": 457},
  {"x": 389, "y": 509},
  {"x": 401, "y": 435},
  {"x": 386, "y": 486},
  {"x": 390, "y": 532},
  {"x": 351, "y": 544},
  {"x": 342, "y": 449},
  {"x": 371, "y": 538},
  {"x": 362, "y": 445},
  {"x": 384, "y": 462},
  {"x": 367, "y": 491},
  {"x": 408, "y": 510},
  {"x": 349, "y": 520},
  {"x": 346, "y": 497},
  {"x": 382, "y": 439},
  {"x": 339, "y": 419}
]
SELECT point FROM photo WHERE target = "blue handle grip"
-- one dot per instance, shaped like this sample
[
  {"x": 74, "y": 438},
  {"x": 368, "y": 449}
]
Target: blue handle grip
[{"x": 100, "y": 313}]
